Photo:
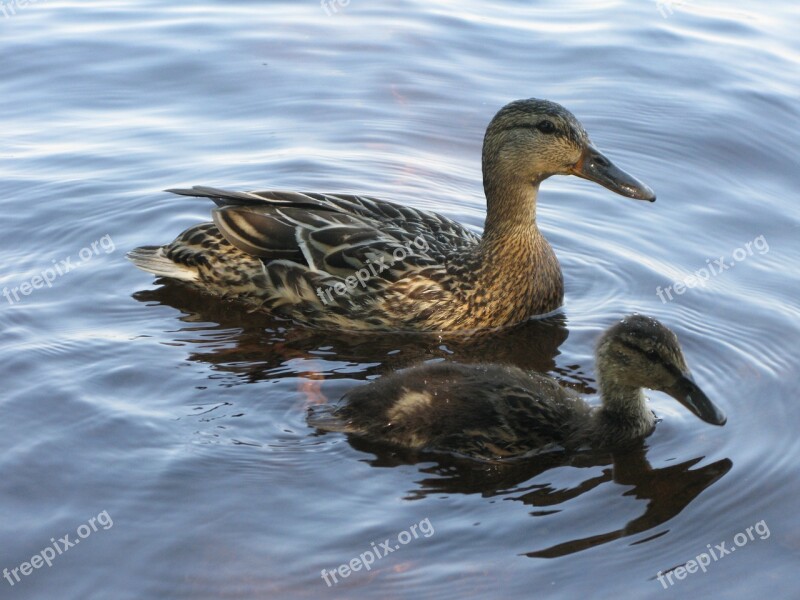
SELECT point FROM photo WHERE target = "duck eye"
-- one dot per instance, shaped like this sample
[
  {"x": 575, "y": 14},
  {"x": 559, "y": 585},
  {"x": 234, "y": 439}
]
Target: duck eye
[{"x": 546, "y": 126}]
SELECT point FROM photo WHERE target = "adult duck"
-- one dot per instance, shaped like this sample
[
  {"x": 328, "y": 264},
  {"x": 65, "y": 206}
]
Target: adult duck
[
  {"x": 496, "y": 411},
  {"x": 349, "y": 262}
]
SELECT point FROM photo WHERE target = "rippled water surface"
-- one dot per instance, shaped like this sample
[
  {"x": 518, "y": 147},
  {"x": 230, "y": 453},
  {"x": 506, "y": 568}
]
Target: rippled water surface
[{"x": 177, "y": 421}]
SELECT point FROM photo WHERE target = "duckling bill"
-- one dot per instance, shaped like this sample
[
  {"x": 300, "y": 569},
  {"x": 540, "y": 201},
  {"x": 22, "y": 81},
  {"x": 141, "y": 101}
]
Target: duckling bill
[
  {"x": 296, "y": 254},
  {"x": 496, "y": 411}
]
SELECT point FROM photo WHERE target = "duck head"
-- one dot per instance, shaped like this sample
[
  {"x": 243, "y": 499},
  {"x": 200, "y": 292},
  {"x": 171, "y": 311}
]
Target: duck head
[
  {"x": 534, "y": 139},
  {"x": 639, "y": 352}
]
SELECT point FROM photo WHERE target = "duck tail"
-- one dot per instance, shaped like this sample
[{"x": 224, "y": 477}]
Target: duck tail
[
  {"x": 220, "y": 197},
  {"x": 153, "y": 260}
]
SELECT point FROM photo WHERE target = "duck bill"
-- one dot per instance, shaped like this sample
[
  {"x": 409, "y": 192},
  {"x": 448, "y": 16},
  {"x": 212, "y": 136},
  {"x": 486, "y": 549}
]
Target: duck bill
[
  {"x": 688, "y": 393},
  {"x": 594, "y": 166}
]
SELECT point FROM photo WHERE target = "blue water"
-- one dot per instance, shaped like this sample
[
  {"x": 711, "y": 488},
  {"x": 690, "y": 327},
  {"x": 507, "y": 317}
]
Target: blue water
[{"x": 182, "y": 419}]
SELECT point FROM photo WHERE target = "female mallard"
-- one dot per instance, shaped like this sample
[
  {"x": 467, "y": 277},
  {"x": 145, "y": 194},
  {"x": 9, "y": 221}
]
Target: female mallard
[
  {"x": 339, "y": 261},
  {"x": 494, "y": 411}
]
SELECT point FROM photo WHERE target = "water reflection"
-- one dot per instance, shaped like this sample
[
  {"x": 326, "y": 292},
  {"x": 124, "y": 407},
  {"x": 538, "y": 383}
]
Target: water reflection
[
  {"x": 255, "y": 346},
  {"x": 666, "y": 490}
]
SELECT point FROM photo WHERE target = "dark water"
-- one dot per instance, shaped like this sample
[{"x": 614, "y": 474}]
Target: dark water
[{"x": 182, "y": 420}]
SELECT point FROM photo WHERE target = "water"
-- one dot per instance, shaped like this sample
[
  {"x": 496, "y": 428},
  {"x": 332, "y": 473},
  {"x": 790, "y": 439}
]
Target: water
[{"x": 182, "y": 420}]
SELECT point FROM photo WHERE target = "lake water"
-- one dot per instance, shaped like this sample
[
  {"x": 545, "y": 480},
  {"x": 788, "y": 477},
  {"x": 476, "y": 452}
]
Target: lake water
[{"x": 163, "y": 432}]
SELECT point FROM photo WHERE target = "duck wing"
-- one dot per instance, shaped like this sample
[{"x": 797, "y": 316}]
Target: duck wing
[{"x": 335, "y": 233}]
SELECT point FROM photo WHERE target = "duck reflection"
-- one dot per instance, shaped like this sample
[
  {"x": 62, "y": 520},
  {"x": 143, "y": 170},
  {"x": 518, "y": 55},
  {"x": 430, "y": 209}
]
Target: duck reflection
[{"x": 252, "y": 346}]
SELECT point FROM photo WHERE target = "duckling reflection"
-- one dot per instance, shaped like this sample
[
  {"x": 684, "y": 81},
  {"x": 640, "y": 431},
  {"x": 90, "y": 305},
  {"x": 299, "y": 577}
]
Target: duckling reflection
[
  {"x": 494, "y": 411},
  {"x": 663, "y": 491},
  {"x": 667, "y": 490}
]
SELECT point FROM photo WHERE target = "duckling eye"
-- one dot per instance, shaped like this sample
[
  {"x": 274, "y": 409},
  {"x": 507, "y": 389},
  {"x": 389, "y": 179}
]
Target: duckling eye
[
  {"x": 652, "y": 355},
  {"x": 546, "y": 126}
]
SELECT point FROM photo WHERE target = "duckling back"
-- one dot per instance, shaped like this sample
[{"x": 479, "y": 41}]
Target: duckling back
[{"x": 484, "y": 411}]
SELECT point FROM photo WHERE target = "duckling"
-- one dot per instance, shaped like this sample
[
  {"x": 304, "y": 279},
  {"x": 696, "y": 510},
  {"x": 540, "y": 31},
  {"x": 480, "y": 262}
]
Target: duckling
[
  {"x": 348, "y": 262},
  {"x": 494, "y": 411}
]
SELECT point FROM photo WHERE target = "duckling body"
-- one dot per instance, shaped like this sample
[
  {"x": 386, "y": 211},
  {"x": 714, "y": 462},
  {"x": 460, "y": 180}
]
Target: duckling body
[
  {"x": 351, "y": 262},
  {"x": 496, "y": 411}
]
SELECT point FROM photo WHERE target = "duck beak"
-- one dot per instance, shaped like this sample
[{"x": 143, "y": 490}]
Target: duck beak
[
  {"x": 688, "y": 393},
  {"x": 594, "y": 166}
]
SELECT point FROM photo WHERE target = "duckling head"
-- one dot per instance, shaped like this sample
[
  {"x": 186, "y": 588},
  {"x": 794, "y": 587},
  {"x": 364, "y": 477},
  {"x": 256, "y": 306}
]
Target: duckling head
[
  {"x": 640, "y": 352},
  {"x": 530, "y": 140}
]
